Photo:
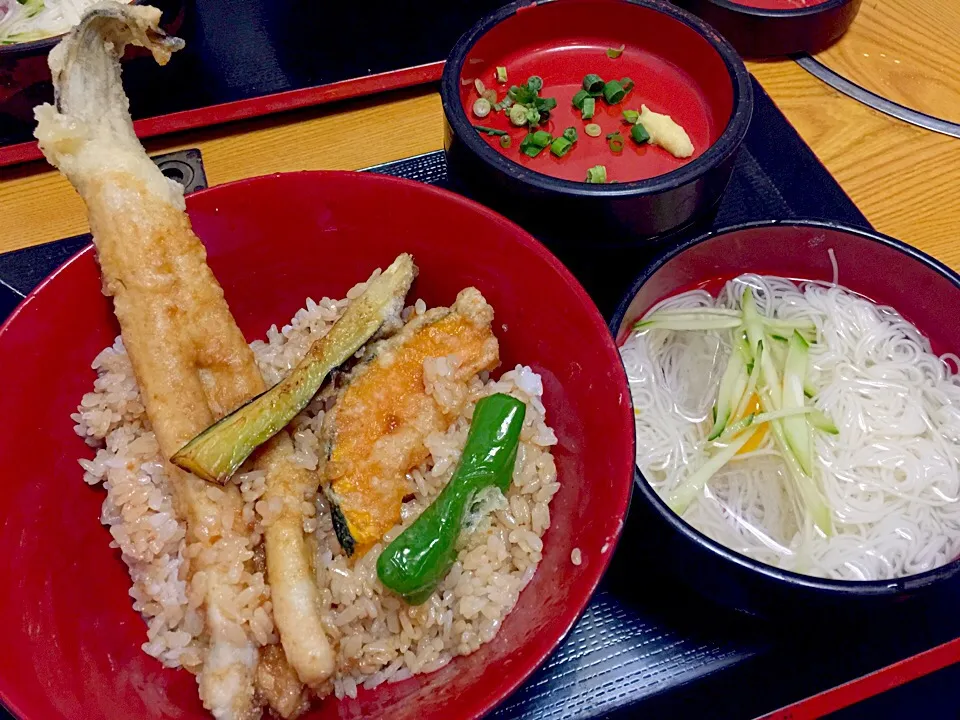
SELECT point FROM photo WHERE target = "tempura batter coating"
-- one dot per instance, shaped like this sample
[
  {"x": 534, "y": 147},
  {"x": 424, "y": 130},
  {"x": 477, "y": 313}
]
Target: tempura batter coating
[
  {"x": 190, "y": 359},
  {"x": 376, "y": 430}
]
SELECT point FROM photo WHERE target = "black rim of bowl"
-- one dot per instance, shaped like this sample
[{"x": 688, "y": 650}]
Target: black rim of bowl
[
  {"x": 862, "y": 588},
  {"x": 772, "y": 13},
  {"x": 725, "y": 146},
  {"x": 32, "y": 47}
]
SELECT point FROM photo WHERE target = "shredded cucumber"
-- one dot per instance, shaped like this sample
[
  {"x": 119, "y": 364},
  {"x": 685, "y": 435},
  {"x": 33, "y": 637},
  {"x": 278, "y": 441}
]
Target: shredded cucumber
[
  {"x": 684, "y": 493},
  {"x": 795, "y": 428},
  {"x": 770, "y": 360},
  {"x": 692, "y": 321},
  {"x": 732, "y": 385},
  {"x": 753, "y": 368},
  {"x": 810, "y": 495},
  {"x": 755, "y": 334},
  {"x": 815, "y": 417},
  {"x": 821, "y": 421},
  {"x": 718, "y": 319}
]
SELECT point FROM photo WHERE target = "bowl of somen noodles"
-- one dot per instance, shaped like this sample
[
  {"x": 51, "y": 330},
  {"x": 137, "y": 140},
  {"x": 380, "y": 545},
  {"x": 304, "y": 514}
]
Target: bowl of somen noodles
[{"x": 796, "y": 394}]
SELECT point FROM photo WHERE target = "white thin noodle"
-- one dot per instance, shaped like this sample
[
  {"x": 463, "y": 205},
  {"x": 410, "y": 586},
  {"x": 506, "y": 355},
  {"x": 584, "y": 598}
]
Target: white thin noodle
[
  {"x": 833, "y": 264},
  {"x": 891, "y": 475}
]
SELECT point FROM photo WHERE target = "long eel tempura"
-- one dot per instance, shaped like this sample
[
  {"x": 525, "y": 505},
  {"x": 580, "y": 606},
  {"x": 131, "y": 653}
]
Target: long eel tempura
[{"x": 190, "y": 358}]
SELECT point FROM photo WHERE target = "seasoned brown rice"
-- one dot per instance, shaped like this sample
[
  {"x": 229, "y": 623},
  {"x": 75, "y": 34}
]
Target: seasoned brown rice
[{"x": 376, "y": 636}]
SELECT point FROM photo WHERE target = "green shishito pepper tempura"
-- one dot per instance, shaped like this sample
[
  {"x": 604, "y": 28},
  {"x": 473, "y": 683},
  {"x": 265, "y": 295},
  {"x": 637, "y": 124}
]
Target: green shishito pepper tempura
[{"x": 415, "y": 563}]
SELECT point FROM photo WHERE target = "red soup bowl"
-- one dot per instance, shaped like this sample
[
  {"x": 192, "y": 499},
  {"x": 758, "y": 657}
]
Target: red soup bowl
[
  {"x": 680, "y": 67},
  {"x": 72, "y": 644},
  {"x": 880, "y": 268}
]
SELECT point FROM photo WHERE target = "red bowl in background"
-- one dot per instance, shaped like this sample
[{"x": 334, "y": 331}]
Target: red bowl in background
[
  {"x": 681, "y": 67},
  {"x": 768, "y": 28},
  {"x": 889, "y": 272},
  {"x": 72, "y": 644}
]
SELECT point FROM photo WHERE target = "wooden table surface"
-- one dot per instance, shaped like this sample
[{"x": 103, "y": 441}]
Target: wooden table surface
[{"x": 904, "y": 178}]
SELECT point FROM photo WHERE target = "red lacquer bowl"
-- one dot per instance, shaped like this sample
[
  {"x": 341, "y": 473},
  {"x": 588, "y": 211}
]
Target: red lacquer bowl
[
  {"x": 72, "y": 641},
  {"x": 680, "y": 66}
]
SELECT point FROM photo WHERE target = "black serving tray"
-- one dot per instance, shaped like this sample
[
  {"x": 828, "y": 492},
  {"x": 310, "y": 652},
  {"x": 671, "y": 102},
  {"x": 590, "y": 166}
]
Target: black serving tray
[{"x": 646, "y": 646}]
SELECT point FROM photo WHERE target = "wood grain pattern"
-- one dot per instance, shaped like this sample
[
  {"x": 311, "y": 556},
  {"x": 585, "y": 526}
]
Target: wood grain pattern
[
  {"x": 904, "y": 179},
  {"x": 37, "y": 205},
  {"x": 907, "y": 51}
]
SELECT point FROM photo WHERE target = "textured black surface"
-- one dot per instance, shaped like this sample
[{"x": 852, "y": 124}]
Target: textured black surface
[
  {"x": 646, "y": 645},
  {"x": 250, "y": 48}
]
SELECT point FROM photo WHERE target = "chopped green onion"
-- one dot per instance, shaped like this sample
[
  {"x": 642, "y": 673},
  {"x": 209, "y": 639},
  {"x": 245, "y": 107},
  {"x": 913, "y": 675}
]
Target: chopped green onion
[
  {"x": 478, "y": 84},
  {"x": 615, "y": 142},
  {"x": 504, "y": 141},
  {"x": 529, "y": 149},
  {"x": 482, "y": 107},
  {"x": 535, "y": 83},
  {"x": 639, "y": 134},
  {"x": 522, "y": 95},
  {"x": 589, "y": 107},
  {"x": 534, "y": 143},
  {"x": 533, "y": 116},
  {"x": 541, "y": 138},
  {"x": 490, "y": 95},
  {"x": 631, "y": 116},
  {"x": 501, "y": 74},
  {"x": 518, "y": 115},
  {"x": 614, "y": 53},
  {"x": 627, "y": 84},
  {"x": 507, "y": 102},
  {"x": 570, "y": 134},
  {"x": 560, "y": 146},
  {"x": 593, "y": 130},
  {"x": 579, "y": 98},
  {"x": 466, "y": 81},
  {"x": 488, "y": 130},
  {"x": 545, "y": 104},
  {"x": 593, "y": 84},
  {"x": 613, "y": 92},
  {"x": 597, "y": 174}
]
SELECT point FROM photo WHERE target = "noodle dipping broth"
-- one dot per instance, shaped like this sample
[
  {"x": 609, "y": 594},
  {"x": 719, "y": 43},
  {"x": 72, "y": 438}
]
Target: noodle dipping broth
[{"x": 801, "y": 425}]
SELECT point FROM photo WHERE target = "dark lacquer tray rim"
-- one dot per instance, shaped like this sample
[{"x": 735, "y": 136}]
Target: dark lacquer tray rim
[{"x": 258, "y": 107}]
